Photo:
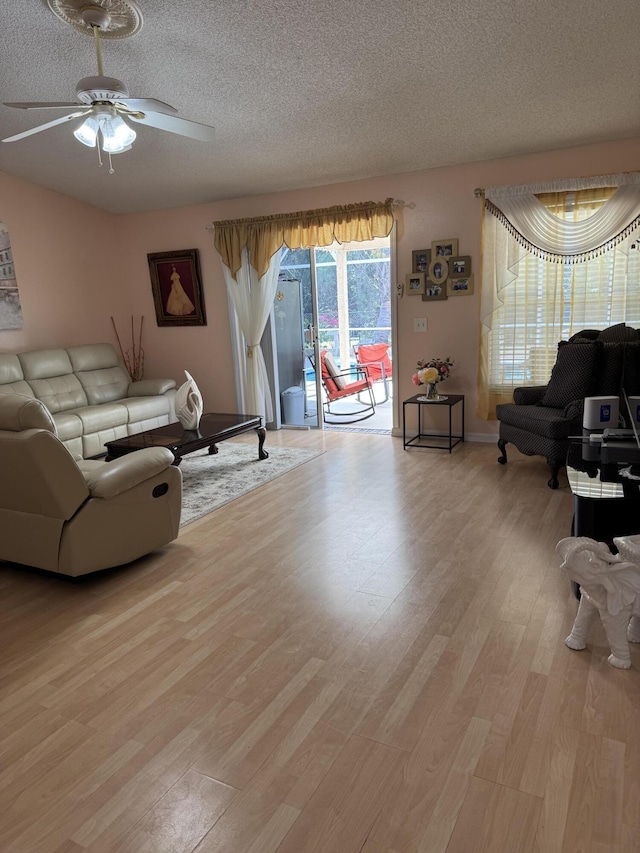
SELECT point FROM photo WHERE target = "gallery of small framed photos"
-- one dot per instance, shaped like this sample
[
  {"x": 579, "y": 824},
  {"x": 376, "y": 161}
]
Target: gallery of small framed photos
[{"x": 440, "y": 272}]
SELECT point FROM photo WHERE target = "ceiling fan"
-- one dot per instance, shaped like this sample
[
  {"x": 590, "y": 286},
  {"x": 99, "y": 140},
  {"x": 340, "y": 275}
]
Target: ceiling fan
[{"x": 105, "y": 103}]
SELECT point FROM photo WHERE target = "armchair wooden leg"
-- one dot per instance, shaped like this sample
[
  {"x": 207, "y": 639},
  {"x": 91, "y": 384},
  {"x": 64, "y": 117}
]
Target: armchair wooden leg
[{"x": 502, "y": 447}]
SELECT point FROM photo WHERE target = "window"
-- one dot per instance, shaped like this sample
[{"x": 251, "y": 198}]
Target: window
[{"x": 533, "y": 298}]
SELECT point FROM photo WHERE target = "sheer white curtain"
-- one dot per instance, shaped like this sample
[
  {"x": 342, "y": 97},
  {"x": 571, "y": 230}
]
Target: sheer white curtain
[{"x": 252, "y": 297}]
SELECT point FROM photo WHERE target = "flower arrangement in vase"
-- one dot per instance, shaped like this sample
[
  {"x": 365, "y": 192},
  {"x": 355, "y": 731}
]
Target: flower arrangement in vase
[{"x": 430, "y": 372}]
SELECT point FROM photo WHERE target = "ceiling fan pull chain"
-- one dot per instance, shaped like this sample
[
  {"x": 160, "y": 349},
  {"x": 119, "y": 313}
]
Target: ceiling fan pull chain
[
  {"x": 111, "y": 169},
  {"x": 99, "y": 155}
]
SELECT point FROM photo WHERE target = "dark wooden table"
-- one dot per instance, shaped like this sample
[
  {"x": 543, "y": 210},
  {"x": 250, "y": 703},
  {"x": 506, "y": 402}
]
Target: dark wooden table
[{"x": 213, "y": 429}]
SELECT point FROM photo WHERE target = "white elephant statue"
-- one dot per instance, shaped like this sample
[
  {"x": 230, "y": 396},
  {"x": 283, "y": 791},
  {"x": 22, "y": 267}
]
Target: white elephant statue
[{"x": 609, "y": 585}]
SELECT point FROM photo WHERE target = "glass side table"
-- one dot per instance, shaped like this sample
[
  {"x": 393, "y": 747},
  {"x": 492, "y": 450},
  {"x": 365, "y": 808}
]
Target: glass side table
[{"x": 426, "y": 439}]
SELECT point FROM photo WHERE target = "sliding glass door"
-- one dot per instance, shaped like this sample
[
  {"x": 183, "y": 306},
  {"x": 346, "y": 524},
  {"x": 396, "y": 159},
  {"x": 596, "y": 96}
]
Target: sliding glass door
[{"x": 346, "y": 301}]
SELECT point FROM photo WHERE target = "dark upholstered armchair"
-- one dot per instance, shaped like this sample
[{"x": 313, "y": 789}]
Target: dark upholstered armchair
[{"x": 591, "y": 363}]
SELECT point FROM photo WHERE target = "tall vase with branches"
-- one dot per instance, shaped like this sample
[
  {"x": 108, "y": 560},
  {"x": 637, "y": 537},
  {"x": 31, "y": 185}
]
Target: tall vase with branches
[{"x": 133, "y": 356}]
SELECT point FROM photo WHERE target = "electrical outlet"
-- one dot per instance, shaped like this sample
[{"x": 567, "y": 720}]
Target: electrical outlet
[{"x": 419, "y": 324}]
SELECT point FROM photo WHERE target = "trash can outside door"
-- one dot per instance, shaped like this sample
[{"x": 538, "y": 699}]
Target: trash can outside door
[{"x": 293, "y": 406}]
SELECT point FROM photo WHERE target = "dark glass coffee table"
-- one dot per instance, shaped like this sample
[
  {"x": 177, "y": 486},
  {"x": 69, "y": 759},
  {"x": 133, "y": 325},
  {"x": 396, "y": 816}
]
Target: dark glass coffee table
[
  {"x": 606, "y": 504},
  {"x": 213, "y": 429}
]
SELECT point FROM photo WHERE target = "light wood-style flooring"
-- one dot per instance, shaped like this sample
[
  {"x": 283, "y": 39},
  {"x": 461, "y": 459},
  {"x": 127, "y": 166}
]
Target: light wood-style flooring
[{"x": 363, "y": 656}]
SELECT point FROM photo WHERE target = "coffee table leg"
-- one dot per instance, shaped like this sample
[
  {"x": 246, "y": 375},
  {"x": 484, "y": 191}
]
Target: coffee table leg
[
  {"x": 262, "y": 434},
  {"x": 213, "y": 448}
]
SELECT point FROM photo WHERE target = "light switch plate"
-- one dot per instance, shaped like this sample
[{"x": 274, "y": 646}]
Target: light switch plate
[{"x": 419, "y": 324}]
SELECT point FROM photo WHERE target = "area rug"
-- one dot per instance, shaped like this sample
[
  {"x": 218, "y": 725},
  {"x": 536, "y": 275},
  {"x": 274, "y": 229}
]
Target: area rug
[{"x": 209, "y": 482}]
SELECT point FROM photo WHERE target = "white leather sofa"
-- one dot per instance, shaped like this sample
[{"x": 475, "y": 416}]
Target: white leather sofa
[
  {"x": 72, "y": 516},
  {"x": 89, "y": 394}
]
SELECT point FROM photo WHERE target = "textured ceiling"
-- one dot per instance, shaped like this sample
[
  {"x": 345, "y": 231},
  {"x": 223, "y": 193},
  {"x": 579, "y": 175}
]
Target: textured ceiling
[{"x": 306, "y": 93}]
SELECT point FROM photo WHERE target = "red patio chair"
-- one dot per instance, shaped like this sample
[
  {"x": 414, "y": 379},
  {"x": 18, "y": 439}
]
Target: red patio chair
[
  {"x": 374, "y": 358},
  {"x": 337, "y": 387}
]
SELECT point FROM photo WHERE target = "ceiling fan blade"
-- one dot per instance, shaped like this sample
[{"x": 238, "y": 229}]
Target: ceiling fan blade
[
  {"x": 181, "y": 126},
  {"x": 144, "y": 105},
  {"x": 45, "y": 105},
  {"x": 46, "y": 126}
]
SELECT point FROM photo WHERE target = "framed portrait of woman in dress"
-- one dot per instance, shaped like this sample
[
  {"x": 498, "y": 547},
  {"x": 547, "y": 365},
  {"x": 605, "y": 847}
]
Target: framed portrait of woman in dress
[{"x": 177, "y": 288}]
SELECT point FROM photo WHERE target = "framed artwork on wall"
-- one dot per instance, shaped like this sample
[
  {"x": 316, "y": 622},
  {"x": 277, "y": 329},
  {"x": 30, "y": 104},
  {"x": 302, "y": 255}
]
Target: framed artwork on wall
[
  {"x": 415, "y": 283},
  {"x": 433, "y": 292},
  {"x": 10, "y": 309},
  {"x": 438, "y": 269},
  {"x": 460, "y": 267},
  {"x": 177, "y": 288},
  {"x": 460, "y": 286},
  {"x": 444, "y": 248},
  {"x": 421, "y": 258}
]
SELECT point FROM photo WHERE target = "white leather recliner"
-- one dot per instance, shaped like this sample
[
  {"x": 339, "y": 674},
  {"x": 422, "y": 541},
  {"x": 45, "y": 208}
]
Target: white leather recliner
[{"x": 78, "y": 516}]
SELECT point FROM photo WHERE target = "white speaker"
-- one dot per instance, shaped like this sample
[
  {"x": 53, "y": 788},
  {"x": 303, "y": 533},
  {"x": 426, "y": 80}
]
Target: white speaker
[
  {"x": 634, "y": 409},
  {"x": 600, "y": 412}
]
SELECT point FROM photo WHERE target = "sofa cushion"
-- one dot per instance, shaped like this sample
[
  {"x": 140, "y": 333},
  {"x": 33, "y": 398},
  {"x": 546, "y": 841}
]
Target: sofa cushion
[
  {"x": 59, "y": 393},
  {"x": 10, "y": 368},
  {"x": 51, "y": 379},
  {"x": 572, "y": 377},
  {"x": 45, "y": 363},
  {"x": 68, "y": 425},
  {"x": 143, "y": 408},
  {"x": 100, "y": 371},
  {"x": 104, "y": 385},
  {"x": 93, "y": 357},
  {"x": 333, "y": 373},
  {"x": 12, "y": 379},
  {"x": 107, "y": 416}
]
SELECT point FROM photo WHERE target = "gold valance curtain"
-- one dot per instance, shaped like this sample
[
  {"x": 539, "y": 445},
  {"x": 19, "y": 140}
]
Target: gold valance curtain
[{"x": 265, "y": 235}]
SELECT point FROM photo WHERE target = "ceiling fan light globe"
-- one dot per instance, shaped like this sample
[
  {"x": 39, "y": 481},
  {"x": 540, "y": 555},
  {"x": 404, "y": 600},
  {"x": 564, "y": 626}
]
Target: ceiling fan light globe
[
  {"x": 116, "y": 134},
  {"x": 87, "y": 133}
]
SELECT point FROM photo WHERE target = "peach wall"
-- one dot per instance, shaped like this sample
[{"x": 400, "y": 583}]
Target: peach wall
[
  {"x": 444, "y": 207},
  {"x": 205, "y": 351},
  {"x": 65, "y": 267},
  {"x": 77, "y": 265}
]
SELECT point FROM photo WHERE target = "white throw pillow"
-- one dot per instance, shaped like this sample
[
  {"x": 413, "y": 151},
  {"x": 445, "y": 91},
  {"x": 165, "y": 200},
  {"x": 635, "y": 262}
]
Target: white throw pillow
[{"x": 334, "y": 373}]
